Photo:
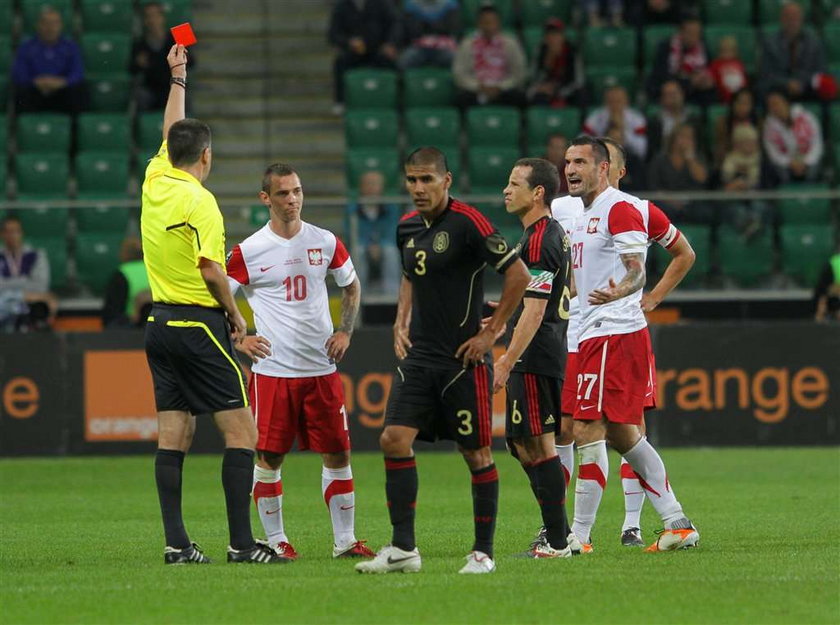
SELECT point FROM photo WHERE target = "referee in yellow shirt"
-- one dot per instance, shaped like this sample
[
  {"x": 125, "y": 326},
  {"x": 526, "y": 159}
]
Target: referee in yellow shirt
[{"x": 192, "y": 329}]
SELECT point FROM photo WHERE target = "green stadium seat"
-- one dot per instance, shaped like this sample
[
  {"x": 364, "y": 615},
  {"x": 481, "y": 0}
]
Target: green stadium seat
[
  {"x": 469, "y": 11},
  {"x": 4, "y": 90},
  {"x": 727, "y": 12},
  {"x": 831, "y": 38},
  {"x": 107, "y": 16},
  {"x": 497, "y": 214},
  {"x": 103, "y": 131},
  {"x": 439, "y": 127},
  {"x": 149, "y": 132},
  {"x": 747, "y": 262},
  {"x": 31, "y": 9},
  {"x": 3, "y": 177},
  {"x": 258, "y": 214},
  {"x": 652, "y": 37},
  {"x": 747, "y": 42},
  {"x": 55, "y": 247},
  {"x": 43, "y": 132},
  {"x": 7, "y": 17},
  {"x": 834, "y": 121},
  {"x": 102, "y": 174},
  {"x": 109, "y": 92},
  {"x": 428, "y": 86},
  {"x": 544, "y": 121},
  {"x": 4, "y": 133},
  {"x": 387, "y": 161},
  {"x": 371, "y": 128},
  {"x": 601, "y": 78},
  {"x": 489, "y": 168},
  {"x": 610, "y": 47},
  {"x": 713, "y": 112},
  {"x": 97, "y": 257},
  {"x": 177, "y": 11},
  {"x": 700, "y": 239},
  {"x": 805, "y": 250},
  {"x": 43, "y": 221},
  {"x": 804, "y": 209},
  {"x": 6, "y": 57},
  {"x": 42, "y": 175},
  {"x": 370, "y": 88},
  {"x": 493, "y": 126},
  {"x": 102, "y": 218},
  {"x": 106, "y": 52},
  {"x": 534, "y": 13}
]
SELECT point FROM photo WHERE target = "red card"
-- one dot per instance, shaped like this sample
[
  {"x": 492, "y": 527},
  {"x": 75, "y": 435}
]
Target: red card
[{"x": 183, "y": 34}]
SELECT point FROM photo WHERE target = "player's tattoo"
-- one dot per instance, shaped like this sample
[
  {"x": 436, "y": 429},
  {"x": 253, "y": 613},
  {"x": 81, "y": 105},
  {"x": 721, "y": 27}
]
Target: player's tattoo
[
  {"x": 634, "y": 279},
  {"x": 350, "y": 299}
]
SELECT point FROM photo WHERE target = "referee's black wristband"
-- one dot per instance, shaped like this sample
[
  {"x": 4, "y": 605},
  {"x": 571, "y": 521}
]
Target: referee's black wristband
[{"x": 177, "y": 80}]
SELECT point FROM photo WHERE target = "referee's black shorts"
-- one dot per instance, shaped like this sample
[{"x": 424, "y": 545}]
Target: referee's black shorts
[{"x": 192, "y": 359}]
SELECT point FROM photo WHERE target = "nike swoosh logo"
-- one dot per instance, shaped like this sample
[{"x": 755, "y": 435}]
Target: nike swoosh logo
[
  {"x": 391, "y": 559},
  {"x": 634, "y": 492},
  {"x": 272, "y": 511},
  {"x": 264, "y": 269},
  {"x": 346, "y": 507},
  {"x": 582, "y": 408}
]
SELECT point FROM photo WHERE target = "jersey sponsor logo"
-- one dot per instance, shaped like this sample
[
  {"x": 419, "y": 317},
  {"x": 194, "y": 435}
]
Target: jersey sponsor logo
[
  {"x": 315, "y": 256},
  {"x": 410, "y": 243},
  {"x": 592, "y": 228},
  {"x": 264, "y": 269},
  {"x": 441, "y": 242}
]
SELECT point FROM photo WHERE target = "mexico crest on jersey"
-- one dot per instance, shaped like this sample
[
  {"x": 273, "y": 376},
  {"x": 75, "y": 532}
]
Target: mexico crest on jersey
[
  {"x": 441, "y": 242},
  {"x": 315, "y": 256},
  {"x": 592, "y": 228}
]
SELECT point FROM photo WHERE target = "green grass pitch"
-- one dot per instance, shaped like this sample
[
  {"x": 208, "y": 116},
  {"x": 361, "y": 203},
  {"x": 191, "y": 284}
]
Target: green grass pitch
[{"x": 82, "y": 543}]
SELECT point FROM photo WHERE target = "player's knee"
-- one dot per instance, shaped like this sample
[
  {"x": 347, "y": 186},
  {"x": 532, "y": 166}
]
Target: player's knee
[
  {"x": 566, "y": 436},
  {"x": 477, "y": 458},
  {"x": 391, "y": 443},
  {"x": 337, "y": 460},
  {"x": 269, "y": 460}
]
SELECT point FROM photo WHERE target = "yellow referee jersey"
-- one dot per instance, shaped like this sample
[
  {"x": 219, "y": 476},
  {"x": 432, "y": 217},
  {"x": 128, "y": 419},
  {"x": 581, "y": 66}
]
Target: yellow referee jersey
[{"x": 180, "y": 223}]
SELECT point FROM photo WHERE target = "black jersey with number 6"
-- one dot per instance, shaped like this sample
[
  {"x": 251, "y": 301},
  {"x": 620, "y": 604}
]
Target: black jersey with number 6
[
  {"x": 444, "y": 260},
  {"x": 544, "y": 247}
]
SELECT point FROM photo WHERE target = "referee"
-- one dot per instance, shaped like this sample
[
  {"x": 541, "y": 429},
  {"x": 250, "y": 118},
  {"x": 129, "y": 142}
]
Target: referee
[{"x": 192, "y": 327}]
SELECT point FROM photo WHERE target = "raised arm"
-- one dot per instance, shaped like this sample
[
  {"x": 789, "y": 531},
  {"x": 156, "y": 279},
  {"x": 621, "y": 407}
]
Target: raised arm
[
  {"x": 682, "y": 259},
  {"x": 175, "y": 109}
]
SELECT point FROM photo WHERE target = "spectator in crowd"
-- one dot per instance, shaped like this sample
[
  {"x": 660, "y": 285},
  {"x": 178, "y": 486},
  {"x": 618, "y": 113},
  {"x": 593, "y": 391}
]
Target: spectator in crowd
[
  {"x": 25, "y": 299},
  {"x": 616, "y": 115},
  {"x": 365, "y": 34},
  {"x": 728, "y": 70},
  {"x": 681, "y": 168},
  {"x": 792, "y": 58},
  {"x": 741, "y": 171},
  {"x": 684, "y": 57},
  {"x": 489, "y": 65},
  {"x": 792, "y": 139},
  {"x": 372, "y": 225},
  {"x": 430, "y": 32},
  {"x": 48, "y": 71},
  {"x": 128, "y": 298},
  {"x": 555, "y": 153},
  {"x": 672, "y": 112},
  {"x": 827, "y": 292},
  {"x": 654, "y": 12},
  {"x": 556, "y": 77},
  {"x": 741, "y": 111},
  {"x": 595, "y": 9}
]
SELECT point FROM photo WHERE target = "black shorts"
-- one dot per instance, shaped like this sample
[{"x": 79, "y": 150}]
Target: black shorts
[
  {"x": 533, "y": 405},
  {"x": 451, "y": 404},
  {"x": 193, "y": 363}
]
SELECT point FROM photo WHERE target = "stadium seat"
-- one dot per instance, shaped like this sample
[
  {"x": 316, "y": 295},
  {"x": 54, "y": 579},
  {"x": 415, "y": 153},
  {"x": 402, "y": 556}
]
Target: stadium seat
[
  {"x": 609, "y": 47},
  {"x": 3, "y": 178},
  {"x": 747, "y": 42},
  {"x": 489, "y": 168},
  {"x": 4, "y": 89},
  {"x": 428, "y": 86},
  {"x": 7, "y": 17},
  {"x": 258, "y": 214},
  {"x": 104, "y": 132},
  {"x": 383, "y": 160},
  {"x": 55, "y": 247},
  {"x": 30, "y": 9},
  {"x": 6, "y": 57},
  {"x": 469, "y": 11},
  {"x": 105, "y": 52},
  {"x": 440, "y": 127},
  {"x": 747, "y": 262},
  {"x": 4, "y": 133},
  {"x": 713, "y": 112},
  {"x": 102, "y": 174},
  {"x": 177, "y": 11},
  {"x": 834, "y": 121},
  {"x": 700, "y": 239},
  {"x": 102, "y": 218},
  {"x": 804, "y": 209},
  {"x": 652, "y": 37},
  {"x": 805, "y": 250},
  {"x": 370, "y": 88},
  {"x": 43, "y": 133},
  {"x": 149, "y": 132},
  {"x": 727, "y": 12},
  {"x": 600, "y": 78},
  {"x": 109, "y": 92},
  {"x": 493, "y": 125},
  {"x": 534, "y": 13},
  {"x": 371, "y": 128},
  {"x": 42, "y": 175},
  {"x": 831, "y": 37},
  {"x": 107, "y": 16},
  {"x": 97, "y": 257},
  {"x": 544, "y": 121},
  {"x": 43, "y": 221}
]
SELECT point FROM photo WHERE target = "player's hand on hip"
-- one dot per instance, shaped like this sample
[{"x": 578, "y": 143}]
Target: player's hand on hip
[
  {"x": 337, "y": 345},
  {"x": 648, "y": 302},
  {"x": 401, "y": 342},
  {"x": 177, "y": 60},
  {"x": 473, "y": 350},
  {"x": 604, "y": 296},
  {"x": 255, "y": 347},
  {"x": 501, "y": 373},
  {"x": 238, "y": 327}
]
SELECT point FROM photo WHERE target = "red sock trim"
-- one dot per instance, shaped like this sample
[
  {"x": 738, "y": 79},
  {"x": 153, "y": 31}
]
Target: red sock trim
[
  {"x": 592, "y": 471},
  {"x": 627, "y": 472},
  {"x": 337, "y": 487},
  {"x": 398, "y": 464},
  {"x": 483, "y": 476},
  {"x": 263, "y": 489}
]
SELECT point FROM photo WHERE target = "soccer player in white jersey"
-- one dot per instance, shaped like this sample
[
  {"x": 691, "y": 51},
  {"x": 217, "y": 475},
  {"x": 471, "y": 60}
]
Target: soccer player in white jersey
[
  {"x": 609, "y": 245},
  {"x": 565, "y": 210},
  {"x": 295, "y": 389}
]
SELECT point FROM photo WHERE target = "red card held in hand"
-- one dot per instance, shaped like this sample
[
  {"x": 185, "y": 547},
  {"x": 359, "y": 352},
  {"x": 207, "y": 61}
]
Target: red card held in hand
[{"x": 183, "y": 34}]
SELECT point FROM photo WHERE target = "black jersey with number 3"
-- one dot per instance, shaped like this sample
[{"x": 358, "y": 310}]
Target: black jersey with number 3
[
  {"x": 544, "y": 247},
  {"x": 444, "y": 260}
]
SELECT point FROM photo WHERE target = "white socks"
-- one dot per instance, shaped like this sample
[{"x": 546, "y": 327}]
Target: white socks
[
  {"x": 268, "y": 496},
  {"x": 654, "y": 481},
  {"x": 591, "y": 481},
  {"x": 634, "y": 497},
  {"x": 567, "y": 459},
  {"x": 337, "y": 488}
]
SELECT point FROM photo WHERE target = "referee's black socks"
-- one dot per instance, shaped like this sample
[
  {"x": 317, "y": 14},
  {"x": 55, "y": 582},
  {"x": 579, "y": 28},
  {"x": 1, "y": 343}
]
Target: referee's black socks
[
  {"x": 485, "y": 494},
  {"x": 169, "y": 465},
  {"x": 401, "y": 492},
  {"x": 237, "y": 480}
]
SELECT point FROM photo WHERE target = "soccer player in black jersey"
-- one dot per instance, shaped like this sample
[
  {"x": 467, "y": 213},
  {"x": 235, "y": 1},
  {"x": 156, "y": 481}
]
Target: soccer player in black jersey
[
  {"x": 442, "y": 389},
  {"x": 532, "y": 368}
]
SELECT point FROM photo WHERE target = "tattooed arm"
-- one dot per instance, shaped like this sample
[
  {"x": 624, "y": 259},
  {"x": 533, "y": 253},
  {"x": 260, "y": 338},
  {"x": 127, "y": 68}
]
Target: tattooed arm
[
  {"x": 632, "y": 281},
  {"x": 339, "y": 342}
]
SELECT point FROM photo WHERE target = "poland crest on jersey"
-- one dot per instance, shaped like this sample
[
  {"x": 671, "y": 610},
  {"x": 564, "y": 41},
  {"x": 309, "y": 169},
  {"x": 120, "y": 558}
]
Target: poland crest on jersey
[
  {"x": 592, "y": 228},
  {"x": 315, "y": 257}
]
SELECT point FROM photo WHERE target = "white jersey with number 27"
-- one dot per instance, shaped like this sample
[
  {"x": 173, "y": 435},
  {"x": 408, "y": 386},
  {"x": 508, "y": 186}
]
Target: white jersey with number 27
[{"x": 284, "y": 281}]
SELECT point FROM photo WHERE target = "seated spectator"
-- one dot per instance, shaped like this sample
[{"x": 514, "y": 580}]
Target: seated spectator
[
  {"x": 430, "y": 32},
  {"x": 594, "y": 11},
  {"x": 792, "y": 139},
  {"x": 555, "y": 153},
  {"x": 728, "y": 70},
  {"x": 128, "y": 298},
  {"x": 148, "y": 59},
  {"x": 365, "y": 33},
  {"x": 827, "y": 292},
  {"x": 25, "y": 300},
  {"x": 684, "y": 57},
  {"x": 48, "y": 72},
  {"x": 629, "y": 124},
  {"x": 741, "y": 171},
  {"x": 672, "y": 112},
  {"x": 372, "y": 226},
  {"x": 793, "y": 58},
  {"x": 741, "y": 111},
  {"x": 556, "y": 76},
  {"x": 681, "y": 168},
  {"x": 489, "y": 66}
]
